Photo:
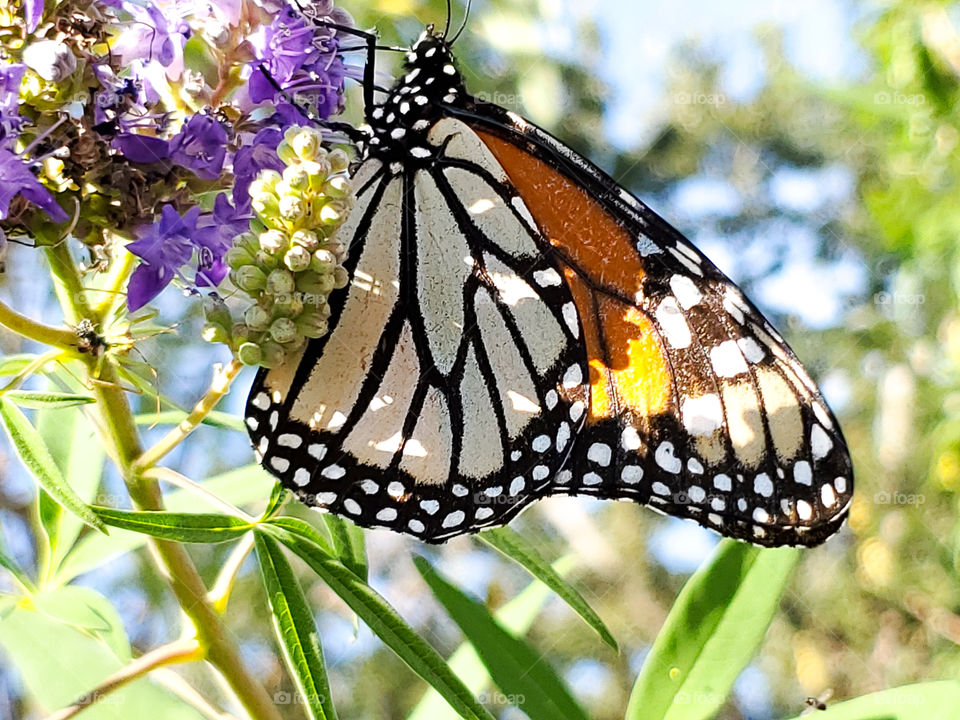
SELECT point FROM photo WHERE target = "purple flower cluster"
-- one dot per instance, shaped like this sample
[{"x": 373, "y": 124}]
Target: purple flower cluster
[
  {"x": 299, "y": 60},
  {"x": 156, "y": 156}
]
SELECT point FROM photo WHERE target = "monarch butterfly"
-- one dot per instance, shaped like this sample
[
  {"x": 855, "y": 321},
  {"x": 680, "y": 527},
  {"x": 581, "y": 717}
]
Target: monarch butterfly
[{"x": 517, "y": 326}]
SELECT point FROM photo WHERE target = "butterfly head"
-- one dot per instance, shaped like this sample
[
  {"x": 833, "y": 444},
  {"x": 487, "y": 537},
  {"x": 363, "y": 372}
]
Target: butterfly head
[{"x": 399, "y": 126}]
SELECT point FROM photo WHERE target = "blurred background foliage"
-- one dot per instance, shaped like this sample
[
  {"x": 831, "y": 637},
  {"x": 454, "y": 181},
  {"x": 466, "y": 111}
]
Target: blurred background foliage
[{"x": 833, "y": 198}]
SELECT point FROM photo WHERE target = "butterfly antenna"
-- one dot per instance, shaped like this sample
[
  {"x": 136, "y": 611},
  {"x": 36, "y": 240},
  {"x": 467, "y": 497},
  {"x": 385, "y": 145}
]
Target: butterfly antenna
[
  {"x": 446, "y": 28},
  {"x": 466, "y": 15}
]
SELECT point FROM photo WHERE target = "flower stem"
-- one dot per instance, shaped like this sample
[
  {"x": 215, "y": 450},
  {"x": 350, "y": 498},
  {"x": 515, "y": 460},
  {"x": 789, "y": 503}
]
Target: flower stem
[
  {"x": 122, "y": 441},
  {"x": 218, "y": 388},
  {"x": 22, "y": 325}
]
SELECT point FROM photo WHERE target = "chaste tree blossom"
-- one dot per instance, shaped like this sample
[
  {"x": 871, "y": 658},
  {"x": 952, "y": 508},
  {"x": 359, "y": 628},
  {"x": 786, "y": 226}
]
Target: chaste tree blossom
[{"x": 144, "y": 128}]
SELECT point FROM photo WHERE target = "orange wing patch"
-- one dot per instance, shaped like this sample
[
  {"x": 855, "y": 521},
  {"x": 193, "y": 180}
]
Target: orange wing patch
[{"x": 628, "y": 365}]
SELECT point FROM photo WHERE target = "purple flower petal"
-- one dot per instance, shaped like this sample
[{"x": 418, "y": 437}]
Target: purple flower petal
[
  {"x": 200, "y": 146},
  {"x": 141, "y": 148},
  {"x": 16, "y": 178},
  {"x": 33, "y": 9},
  {"x": 145, "y": 284}
]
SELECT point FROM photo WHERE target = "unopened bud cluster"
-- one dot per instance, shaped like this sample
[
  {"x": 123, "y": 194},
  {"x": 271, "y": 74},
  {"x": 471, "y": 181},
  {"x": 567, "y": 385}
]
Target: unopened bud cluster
[{"x": 291, "y": 261}]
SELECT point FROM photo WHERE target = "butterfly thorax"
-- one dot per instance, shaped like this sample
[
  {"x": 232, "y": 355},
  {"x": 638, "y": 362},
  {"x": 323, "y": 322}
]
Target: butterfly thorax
[{"x": 400, "y": 124}]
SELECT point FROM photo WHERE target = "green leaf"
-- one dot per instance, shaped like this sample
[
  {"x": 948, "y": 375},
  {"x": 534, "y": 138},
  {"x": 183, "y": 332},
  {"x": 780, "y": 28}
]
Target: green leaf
[
  {"x": 516, "y": 616},
  {"x": 215, "y": 419},
  {"x": 33, "y": 453},
  {"x": 295, "y": 628},
  {"x": 181, "y": 527},
  {"x": 518, "y": 670},
  {"x": 384, "y": 621},
  {"x": 715, "y": 626},
  {"x": 244, "y": 485},
  {"x": 87, "y": 610},
  {"x": 40, "y": 399},
  {"x": 70, "y": 647},
  {"x": 349, "y": 543},
  {"x": 922, "y": 701},
  {"x": 515, "y": 547},
  {"x": 278, "y": 496},
  {"x": 305, "y": 530},
  {"x": 15, "y": 364}
]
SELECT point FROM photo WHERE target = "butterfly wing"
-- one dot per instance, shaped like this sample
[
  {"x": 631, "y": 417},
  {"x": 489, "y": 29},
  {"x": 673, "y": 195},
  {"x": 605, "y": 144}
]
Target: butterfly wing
[
  {"x": 698, "y": 408},
  {"x": 420, "y": 409}
]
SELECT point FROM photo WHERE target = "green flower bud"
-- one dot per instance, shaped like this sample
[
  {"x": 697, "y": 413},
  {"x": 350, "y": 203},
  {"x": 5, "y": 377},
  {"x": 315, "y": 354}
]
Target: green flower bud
[
  {"x": 250, "y": 354},
  {"x": 242, "y": 333},
  {"x": 247, "y": 241},
  {"x": 318, "y": 172},
  {"x": 265, "y": 182},
  {"x": 311, "y": 326},
  {"x": 339, "y": 160},
  {"x": 297, "y": 259},
  {"x": 256, "y": 317},
  {"x": 307, "y": 143},
  {"x": 338, "y": 249},
  {"x": 267, "y": 206},
  {"x": 273, "y": 241},
  {"x": 283, "y": 330},
  {"x": 249, "y": 278},
  {"x": 292, "y": 208},
  {"x": 334, "y": 212},
  {"x": 286, "y": 153},
  {"x": 215, "y": 333},
  {"x": 273, "y": 354},
  {"x": 315, "y": 284},
  {"x": 296, "y": 177},
  {"x": 280, "y": 282},
  {"x": 338, "y": 187},
  {"x": 305, "y": 239},
  {"x": 341, "y": 278},
  {"x": 288, "y": 305},
  {"x": 238, "y": 256},
  {"x": 323, "y": 261}
]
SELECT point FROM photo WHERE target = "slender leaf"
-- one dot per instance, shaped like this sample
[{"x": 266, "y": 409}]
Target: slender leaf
[
  {"x": 305, "y": 530},
  {"x": 182, "y": 527},
  {"x": 83, "y": 471},
  {"x": 295, "y": 628},
  {"x": 240, "y": 487},
  {"x": 514, "y": 546},
  {"x": 36, "y": 457},
  {"x": 712, "y": 631},
  {"x": 922, "y": 701},
  {"x": 518, "y": 670},
  {"x": 516, "y": 616},
  {"x": 41, "y": 399},
  {"x": 215, "y": 419},
  {"x": 349, "y": 543},
  {"x": 14, "y": 364},
  {"x": 278, "y": 496},
  {"x": 384, "y": 621}
]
